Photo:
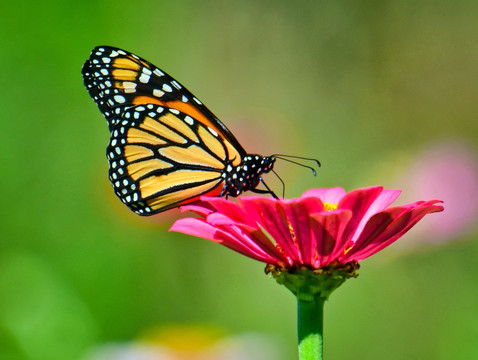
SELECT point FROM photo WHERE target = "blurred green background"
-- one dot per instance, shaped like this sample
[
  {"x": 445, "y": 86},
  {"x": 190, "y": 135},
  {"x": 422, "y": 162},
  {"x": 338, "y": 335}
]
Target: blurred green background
[{"x": 366, "y": 87}]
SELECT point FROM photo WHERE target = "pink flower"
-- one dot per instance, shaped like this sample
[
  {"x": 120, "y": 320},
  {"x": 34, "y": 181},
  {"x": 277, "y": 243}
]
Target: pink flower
[
  {"x": 451, "y": 170},
  {"x": 324, "y": 227}
]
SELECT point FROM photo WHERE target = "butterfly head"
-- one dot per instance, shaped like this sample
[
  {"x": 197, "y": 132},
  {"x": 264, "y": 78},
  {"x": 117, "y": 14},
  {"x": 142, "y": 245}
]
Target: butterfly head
[{"x": 247, "y": 175}]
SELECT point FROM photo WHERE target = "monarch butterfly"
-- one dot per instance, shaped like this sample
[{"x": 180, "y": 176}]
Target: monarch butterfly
[{"x": 166, "y": 149}]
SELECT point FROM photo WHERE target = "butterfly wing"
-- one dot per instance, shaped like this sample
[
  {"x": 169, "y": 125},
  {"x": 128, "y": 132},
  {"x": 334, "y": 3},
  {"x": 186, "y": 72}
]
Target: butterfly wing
[
  {"x": 166, "y": 147},
  {"x": 161, "y": 158}
]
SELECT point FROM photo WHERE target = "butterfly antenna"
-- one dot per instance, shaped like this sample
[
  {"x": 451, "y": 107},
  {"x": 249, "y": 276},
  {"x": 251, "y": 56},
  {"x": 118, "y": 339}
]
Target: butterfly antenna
[
  {"x": 286, "y": 158},
  {"x": 283, "y": 184},
  {"x": 282, "y": 156}
]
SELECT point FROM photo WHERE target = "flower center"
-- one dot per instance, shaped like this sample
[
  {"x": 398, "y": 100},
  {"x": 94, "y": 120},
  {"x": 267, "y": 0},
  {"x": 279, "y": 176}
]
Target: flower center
[{"x": 329, "y": 206}]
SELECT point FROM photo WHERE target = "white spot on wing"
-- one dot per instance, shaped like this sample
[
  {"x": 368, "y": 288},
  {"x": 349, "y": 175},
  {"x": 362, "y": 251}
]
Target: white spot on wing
[
  {"x": 158, "y": 72},
  {"x": 176, "y": 85},
  {"x": 167, "y": 88},
  {"x": 158, "y": 93},
  {"x": 119, "y": 99},
  {"x": 212, "y": 131},
  {"x": 129, "y": 86},
  {"x": 144, "y": 78},
  {"x": 189, "y": 120}
]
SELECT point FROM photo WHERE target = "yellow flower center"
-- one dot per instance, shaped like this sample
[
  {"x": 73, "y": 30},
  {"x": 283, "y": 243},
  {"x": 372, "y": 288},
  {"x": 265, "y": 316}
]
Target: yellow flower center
[{"x": 330, "y": 207}]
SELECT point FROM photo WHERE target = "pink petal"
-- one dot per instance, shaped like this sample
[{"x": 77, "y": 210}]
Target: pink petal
[
  {"x": 358, "y": 201},
  {"x": 327, "y": 231},
  {"x": 231, "y": 208},
  {"x": 217, "y": 219},
  {"x": 297, "y": 213},
  {"x": 332, "y": 195},
  {"x": 250, "y": 237},
  {"x": 384, "y": 200},
  {"x": 261, "y": 241},
  {"x": 233, "y": 240},
  {"x": 194, "y": 227},
  {"x": 374, "y": 228},
  {"x": 272, "y": 218},
  {"x": 386, "y": 227},
  {"x": 250, "y": 242},
  {"x": 202, "y": 208},
  {"x": 238, "y": 245},
  {"x": 253, "y": 236},
  {"x": 364, "y": 203}
]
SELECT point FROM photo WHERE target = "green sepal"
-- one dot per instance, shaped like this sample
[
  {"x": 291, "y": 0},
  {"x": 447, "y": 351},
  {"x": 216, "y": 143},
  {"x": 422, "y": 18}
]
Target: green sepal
[{"x": 308, "y": 284}]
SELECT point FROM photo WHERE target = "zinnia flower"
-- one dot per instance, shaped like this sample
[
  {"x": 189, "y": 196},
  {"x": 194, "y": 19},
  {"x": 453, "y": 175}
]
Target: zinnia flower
[
  {"x": 322, "y": 228},
  {"x": 311, "y": 244}
]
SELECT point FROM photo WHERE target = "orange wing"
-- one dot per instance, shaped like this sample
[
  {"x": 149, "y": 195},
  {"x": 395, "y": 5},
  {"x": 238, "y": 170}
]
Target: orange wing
[
  {"x": 117, "y": 79},
  {"x": 162, "y": 158}
]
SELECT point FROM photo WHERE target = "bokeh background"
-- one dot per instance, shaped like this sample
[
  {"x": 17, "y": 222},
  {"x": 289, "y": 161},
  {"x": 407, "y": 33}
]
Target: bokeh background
[{"x": 382, "y": 92}]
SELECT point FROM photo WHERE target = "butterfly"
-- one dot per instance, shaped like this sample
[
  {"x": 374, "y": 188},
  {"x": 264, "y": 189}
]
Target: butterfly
[{"x": 167, "y": 149}]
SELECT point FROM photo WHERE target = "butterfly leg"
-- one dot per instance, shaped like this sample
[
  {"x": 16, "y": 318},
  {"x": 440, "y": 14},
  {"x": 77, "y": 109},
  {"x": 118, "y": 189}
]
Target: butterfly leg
[{"x": 268, "y": 191}]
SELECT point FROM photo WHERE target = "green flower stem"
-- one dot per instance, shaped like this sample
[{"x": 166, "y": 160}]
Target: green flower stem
[
  {"x": 312, "y": 288},
  {"x": 310, "y": 323}
]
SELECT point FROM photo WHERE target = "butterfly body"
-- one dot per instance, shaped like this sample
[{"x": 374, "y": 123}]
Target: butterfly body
[
  {"x": 246, "y": 176},
  {"x": 166, "y": 148}
]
